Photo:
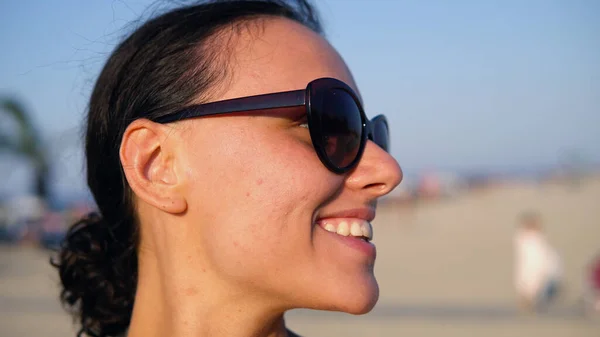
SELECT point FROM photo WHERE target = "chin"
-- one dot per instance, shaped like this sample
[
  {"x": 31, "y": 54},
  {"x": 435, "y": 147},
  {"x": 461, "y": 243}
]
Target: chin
[
  {"x": 355, "y": 299},
  {"x": 360, "y": 304}
]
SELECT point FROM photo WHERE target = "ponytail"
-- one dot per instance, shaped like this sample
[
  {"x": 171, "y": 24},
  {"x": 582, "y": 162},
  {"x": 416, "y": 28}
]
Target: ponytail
[{"x": 97, "y": 266}]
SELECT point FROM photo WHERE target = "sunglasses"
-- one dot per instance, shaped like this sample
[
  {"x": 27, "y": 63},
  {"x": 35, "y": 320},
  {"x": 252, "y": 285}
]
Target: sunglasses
[{"x": 338, "y": 126}]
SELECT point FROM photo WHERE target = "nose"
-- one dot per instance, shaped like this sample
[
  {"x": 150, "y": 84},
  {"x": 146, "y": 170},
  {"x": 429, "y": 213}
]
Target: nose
[{"x": 376, "y": 174}]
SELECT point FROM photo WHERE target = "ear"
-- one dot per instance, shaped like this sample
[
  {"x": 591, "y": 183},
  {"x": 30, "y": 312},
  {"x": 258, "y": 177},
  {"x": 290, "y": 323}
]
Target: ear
[{"x": 149, "y": 166}]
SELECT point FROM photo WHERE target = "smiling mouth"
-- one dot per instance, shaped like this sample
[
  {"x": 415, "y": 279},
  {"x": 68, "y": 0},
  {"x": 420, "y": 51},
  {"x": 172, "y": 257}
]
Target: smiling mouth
[{"x": 358, "y": 228}]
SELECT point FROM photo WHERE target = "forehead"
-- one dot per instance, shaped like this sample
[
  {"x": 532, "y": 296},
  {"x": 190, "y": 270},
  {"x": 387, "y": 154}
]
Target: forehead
[{"x": 279, "y": 55}]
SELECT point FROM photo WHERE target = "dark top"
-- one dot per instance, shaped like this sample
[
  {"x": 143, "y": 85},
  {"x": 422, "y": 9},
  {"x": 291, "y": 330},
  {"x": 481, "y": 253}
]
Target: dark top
[{"x": 292, "y": 334}]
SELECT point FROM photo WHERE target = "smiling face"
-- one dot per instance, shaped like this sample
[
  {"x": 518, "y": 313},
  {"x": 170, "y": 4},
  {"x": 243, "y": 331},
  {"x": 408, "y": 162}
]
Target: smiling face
[{"x": 262, "y": 208}]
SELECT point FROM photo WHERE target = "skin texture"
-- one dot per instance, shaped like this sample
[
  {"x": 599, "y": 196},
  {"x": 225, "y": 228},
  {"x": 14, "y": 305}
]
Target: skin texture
[{"x": 227, "y": 204}]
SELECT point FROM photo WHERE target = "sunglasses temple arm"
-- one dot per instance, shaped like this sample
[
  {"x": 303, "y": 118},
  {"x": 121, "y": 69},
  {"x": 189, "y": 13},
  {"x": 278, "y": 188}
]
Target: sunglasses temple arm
[{"x": 244, "y": 104}]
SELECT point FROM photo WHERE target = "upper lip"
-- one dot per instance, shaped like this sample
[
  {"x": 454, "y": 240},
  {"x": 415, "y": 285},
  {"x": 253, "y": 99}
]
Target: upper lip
[{"x": 366, "y": 213}]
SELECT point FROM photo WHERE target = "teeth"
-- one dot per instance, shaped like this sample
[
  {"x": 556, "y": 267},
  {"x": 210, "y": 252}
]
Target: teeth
[
  {"x": 355, "y": 229},
  {"x": 367, "y": 231},
  {"x": 343, "y": 229}
]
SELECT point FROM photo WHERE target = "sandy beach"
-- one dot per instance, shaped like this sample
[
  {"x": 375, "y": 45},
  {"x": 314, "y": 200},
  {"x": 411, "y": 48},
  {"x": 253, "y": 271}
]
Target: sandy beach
[{"x": 444, "y": 269}]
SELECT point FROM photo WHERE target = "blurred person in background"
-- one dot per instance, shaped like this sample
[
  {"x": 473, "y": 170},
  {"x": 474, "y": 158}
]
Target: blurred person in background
[
  {"x": 537, "y": 264},
  {"x": 225, "y": 198}
]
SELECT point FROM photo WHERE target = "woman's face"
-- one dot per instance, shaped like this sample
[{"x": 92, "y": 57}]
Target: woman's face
[{"x": 258, "y": 196}]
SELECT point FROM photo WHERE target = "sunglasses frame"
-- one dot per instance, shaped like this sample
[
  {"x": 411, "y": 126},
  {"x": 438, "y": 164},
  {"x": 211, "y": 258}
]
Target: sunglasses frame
[{"x": 308, "y": 98}]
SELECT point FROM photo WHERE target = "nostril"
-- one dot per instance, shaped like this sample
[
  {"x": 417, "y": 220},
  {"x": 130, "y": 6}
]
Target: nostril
[{"x": 376, "y": 186}]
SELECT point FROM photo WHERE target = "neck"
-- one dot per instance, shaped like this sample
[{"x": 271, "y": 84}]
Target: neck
[{"x": 169, "y": 302}]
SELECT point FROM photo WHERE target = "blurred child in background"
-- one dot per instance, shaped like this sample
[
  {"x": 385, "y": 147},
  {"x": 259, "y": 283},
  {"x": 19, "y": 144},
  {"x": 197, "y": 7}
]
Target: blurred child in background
[{"x": 537, "y": 265}]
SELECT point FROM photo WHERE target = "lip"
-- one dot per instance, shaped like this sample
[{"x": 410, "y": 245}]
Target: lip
[
  {"x": 365, "y": 247},
  {"x": 365, "y": 213}
]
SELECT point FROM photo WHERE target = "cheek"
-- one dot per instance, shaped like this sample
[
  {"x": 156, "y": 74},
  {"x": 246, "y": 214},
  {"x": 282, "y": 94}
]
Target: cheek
[
  {"x": 252, "y": 193},
  {"x": 258, "y": 165}
]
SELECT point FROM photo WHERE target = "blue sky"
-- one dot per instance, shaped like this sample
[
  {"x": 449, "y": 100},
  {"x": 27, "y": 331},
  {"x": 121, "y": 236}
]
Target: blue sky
[{"x": 466, "y": 84}]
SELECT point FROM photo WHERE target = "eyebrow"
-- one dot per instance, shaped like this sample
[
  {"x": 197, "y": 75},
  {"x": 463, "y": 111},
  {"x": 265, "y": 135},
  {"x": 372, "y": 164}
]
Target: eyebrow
[{"x": 284, "y": 99}]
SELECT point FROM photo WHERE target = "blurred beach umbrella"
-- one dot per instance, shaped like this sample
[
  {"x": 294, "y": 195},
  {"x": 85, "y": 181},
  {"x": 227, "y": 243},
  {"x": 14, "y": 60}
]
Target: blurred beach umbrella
[{"x": 22, "y": 139}]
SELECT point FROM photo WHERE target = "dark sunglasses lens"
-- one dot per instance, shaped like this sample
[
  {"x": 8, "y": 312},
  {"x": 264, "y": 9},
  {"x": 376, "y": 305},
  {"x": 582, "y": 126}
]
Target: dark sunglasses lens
[
  {"x": 341, "y": 127},
  {"x": 381, "y": 135}
]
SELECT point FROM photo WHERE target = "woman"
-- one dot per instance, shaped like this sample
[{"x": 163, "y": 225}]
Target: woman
[{"x": 214, "y": 219}]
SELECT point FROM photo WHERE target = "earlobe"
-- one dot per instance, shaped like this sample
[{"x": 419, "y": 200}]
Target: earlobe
[{"x": 150, "y": 168}]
